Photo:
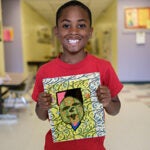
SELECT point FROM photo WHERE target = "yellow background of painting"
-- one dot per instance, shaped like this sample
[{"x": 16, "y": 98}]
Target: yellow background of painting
[{"x": 64, "y": 131}]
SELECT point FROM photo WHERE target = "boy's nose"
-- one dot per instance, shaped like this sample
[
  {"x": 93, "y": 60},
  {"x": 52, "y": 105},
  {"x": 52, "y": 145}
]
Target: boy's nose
[{"x": 73, "y": 30}]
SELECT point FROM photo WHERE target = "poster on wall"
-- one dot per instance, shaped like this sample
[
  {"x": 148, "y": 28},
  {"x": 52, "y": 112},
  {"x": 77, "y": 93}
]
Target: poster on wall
[
  {"x": 137, "y": 18},
  {"x": 8, "y": 34},
  {"x": 106, "y": 51},
  {"x": 43, "y": 35}
]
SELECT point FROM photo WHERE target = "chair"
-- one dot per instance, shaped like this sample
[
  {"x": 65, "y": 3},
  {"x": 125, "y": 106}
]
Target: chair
[{"x": 16, "y": 98}]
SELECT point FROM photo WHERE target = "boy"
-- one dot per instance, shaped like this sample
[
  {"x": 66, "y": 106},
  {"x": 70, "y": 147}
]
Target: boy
[{"x": 73, "y": 29}]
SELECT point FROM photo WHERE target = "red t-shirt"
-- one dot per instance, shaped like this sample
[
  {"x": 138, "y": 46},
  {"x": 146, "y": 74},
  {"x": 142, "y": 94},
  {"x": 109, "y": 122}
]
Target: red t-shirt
[{"x": 58, "y": 68}]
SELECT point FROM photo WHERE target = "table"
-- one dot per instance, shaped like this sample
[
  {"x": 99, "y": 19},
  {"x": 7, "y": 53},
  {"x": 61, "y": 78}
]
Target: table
[
  {"x": 13, "y": 80},
  {"x": 37, "y": 63}
]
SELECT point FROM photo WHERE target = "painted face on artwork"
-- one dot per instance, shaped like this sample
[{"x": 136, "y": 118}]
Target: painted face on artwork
[
  {"x": 73, "y": 30},
  {"x": 71, "y": 110}
]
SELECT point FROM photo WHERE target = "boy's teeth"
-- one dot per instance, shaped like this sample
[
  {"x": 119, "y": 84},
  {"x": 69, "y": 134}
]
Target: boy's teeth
[{"x": 73, "y": 41}]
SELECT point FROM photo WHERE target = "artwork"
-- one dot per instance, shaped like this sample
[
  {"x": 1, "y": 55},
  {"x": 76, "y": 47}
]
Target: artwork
[
  {"x": 137, "y": 18},
  {"x": 8, "y": 34},
  {"x": 43, "y": 35},
  {"x": 106, "y": 52},
  {"x": 76, "y": 112}
]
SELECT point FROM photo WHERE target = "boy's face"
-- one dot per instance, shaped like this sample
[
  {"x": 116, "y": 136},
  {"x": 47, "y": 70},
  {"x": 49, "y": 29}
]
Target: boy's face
[
  {"x": 71, "y": 110},
  {"x": 73, "y": 29}
]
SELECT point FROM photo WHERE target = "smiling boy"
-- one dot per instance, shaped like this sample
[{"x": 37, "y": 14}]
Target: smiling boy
[{"x": 74, "y": 29}]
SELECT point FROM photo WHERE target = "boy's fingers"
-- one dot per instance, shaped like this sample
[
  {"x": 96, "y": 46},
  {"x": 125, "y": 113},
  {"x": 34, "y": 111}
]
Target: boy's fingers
[{"x": 103, "y": 89}]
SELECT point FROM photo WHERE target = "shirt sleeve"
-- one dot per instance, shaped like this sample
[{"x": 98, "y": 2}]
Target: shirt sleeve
[{"x": 112, "y": 81}]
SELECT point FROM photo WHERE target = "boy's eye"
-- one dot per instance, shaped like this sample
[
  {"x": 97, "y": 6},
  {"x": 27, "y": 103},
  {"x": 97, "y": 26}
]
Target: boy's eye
[
  {"x": 66, "y": 26},
  {"x": 81, "y": 25}
]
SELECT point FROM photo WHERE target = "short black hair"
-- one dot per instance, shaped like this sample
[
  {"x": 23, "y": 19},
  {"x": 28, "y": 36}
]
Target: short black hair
[
  {"x": 76, "y": 93},
  {"x": 73, "y": 3}
]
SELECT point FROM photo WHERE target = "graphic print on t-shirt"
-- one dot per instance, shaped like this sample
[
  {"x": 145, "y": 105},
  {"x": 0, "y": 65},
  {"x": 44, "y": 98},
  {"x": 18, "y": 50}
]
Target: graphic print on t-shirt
[{"x": 75, "y": 112}]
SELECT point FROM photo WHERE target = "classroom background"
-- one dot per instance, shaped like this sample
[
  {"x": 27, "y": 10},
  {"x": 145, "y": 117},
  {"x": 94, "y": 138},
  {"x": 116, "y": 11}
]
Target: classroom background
[{"x": 121, "y": 35}]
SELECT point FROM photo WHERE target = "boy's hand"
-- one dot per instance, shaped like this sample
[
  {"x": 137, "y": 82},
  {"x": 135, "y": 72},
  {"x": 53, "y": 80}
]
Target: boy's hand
[
  {"x": 44, "y": 101},
  {"x": 111, "y": 105},
  {"x": 104, "y": 96},
  {"x": 43, "y": 104}
]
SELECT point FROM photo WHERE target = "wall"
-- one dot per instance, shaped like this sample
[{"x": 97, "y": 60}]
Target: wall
[
  {"x": 107, "y": 24},
  {"x": 13, "y": 54},
  {"x": 25, "y": 22},
  {"x": 133, "y": 59},
  {"x": 2, "y": 69},
  {"x": 32, "y": 23}
]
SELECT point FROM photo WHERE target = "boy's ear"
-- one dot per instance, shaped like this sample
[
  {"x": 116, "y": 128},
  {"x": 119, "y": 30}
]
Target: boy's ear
[
  {"x": 56, "y": 31},
  {"x": 91, "y": 31}
]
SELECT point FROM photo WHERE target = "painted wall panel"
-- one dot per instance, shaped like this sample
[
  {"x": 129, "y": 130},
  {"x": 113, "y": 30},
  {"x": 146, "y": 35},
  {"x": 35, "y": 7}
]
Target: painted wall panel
[
  {"x": 133, "y": 59},
  {"x": 13, "y": 50}
]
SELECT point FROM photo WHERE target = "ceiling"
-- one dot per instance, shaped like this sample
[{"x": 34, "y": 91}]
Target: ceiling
[{"x": 47, "y": 8}]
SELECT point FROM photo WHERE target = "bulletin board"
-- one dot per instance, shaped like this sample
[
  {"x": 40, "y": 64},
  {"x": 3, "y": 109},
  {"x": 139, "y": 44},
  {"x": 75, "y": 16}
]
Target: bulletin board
[{"x": 137, "y": 18}]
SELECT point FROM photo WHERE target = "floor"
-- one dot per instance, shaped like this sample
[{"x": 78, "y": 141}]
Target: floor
[{"x": 129, "y": 130}]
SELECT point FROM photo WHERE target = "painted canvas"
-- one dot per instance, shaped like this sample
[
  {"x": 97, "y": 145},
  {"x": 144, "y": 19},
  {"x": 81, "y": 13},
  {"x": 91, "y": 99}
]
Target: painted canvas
[{"x": 75, "y": 112}]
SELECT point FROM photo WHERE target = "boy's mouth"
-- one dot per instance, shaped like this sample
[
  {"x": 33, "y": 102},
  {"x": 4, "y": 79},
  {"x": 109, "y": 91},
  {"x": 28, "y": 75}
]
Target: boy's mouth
[{"x": 73, "y": 41}]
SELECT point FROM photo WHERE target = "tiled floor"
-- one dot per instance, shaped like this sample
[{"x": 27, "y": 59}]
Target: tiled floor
[{"x": 129, "y": 130}]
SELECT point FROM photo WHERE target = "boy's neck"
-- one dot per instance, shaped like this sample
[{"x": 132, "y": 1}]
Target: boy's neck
[{"x": 72, "y": 58}]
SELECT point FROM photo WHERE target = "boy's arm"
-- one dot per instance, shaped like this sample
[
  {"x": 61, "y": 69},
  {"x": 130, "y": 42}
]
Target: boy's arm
[
  {"x": 113, "y": 106},
  {"x": 42, "y": 114}
]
